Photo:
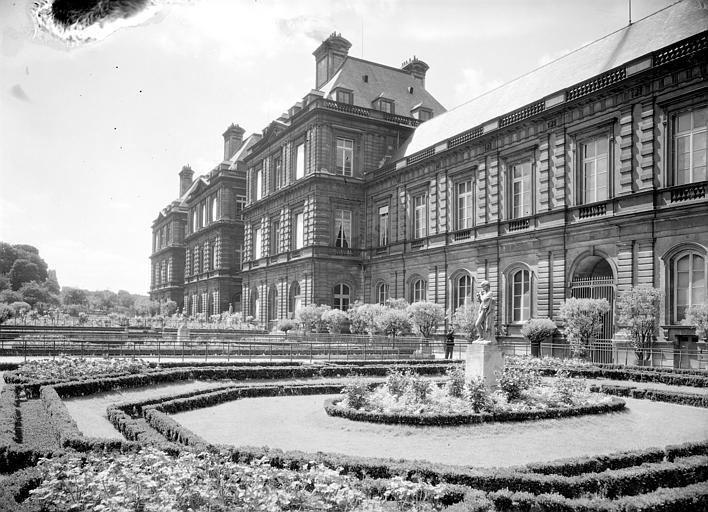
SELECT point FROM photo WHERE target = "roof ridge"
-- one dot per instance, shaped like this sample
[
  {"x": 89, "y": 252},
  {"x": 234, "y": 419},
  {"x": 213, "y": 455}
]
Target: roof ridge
[{"x": 565, "y": 55}]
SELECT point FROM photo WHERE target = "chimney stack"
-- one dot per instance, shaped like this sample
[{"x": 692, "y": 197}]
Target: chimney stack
[
  {"x": 328, "y": 57},
  {"x": 233, "y": 139},
  {"x": 417, "y": 68},
  {"x": 185, "y": 179}
]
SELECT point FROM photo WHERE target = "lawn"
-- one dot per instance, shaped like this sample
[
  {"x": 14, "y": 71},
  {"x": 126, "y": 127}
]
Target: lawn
[{"x": 300, "y": 423}]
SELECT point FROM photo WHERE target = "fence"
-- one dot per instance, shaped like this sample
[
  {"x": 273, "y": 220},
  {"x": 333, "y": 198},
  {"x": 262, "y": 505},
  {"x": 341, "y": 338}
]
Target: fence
[{"x": 225, "y": 346}]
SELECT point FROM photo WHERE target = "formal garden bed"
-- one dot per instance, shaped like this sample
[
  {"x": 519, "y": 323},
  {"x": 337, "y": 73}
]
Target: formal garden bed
[
  {"x": 408, "y": 398},
  {"x": 163, "y": 465}
]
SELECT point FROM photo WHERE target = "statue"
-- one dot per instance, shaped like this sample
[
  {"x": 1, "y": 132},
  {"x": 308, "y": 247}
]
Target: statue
[{"x": 485, "y": 317}]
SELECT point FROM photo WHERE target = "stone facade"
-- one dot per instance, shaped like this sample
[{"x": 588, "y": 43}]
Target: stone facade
[{"x": 567, "y": 182}]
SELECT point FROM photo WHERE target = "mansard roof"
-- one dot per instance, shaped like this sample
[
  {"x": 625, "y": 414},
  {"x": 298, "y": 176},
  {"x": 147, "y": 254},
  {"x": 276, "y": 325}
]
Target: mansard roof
[
  {"x": 670, "y": 25},
  {"x": 381, "y": 82}
]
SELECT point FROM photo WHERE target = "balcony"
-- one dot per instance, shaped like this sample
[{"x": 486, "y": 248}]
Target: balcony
[
  {"x": 687, "y": 192},
  {"x": 462, "y": 234},
  {"x": 595, "y": 210},
  {"x": 358, "y": 111},
  {"x": 518, "y": 225}
]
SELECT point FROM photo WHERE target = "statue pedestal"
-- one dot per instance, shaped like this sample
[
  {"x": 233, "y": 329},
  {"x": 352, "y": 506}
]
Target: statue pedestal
[
  {"x": 484, "y": 359},
  {"x": 183, "y": 333}
]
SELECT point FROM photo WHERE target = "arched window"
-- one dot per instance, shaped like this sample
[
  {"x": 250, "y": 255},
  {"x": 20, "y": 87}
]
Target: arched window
[
  {"x": 418, "y": 289},
  {"x": 381, "y": 293},
  {"x": 687, "y": 283},
  {"x": 461, "y": 290},
  {"x": 272, "y": 303},
  {"x": 520, "y": 294},
  {"x": 341, "y": 297},
  {"x": 294, "y": 299}
]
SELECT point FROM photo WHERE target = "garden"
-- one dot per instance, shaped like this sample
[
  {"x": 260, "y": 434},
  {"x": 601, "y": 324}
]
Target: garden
[{"x": 248, "y": 436}]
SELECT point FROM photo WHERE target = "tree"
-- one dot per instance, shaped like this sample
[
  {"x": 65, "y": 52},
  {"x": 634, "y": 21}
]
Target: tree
[
  {"x": 697, "y": 316},
  {"x": 426, "y": 316},
  {"x": 168, "y": 308},
  {"x": 10, "y": 296},
  {"x": 52, "y": 283},
  {"x": 464, "y": 318},
  {"x": 393, "y": 322},
  {"x": 537, "y": 330},
  {"x": 364, "y": 317},
  {"x": 310, "y": 316},
  {"x": 638, "y": 310},
  {"x": 33, "y": 292},
  {"x": 583, "y": 321},
  {"x": 6, "y": 312},
  {"x": 397, "y": 303},
  {"x": 334, "y": 319},
  {"x": 125, "y": 299},
  {"x": 23, "y": 271},
  {"x": 5, "y": 283},
  {"x": 20, "y": 308},
  {"x": 8, "y": 255},
  {"x": 285, "y": 325},
  {"x": 104, "y": 300},
  {"x": 74, "y": 296}
]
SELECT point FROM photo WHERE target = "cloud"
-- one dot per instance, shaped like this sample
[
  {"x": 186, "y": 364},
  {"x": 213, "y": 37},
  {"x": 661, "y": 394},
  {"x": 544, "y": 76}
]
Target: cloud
[
  {"x": 19, "y": 93},
  {"x": 473, "y": 84}
]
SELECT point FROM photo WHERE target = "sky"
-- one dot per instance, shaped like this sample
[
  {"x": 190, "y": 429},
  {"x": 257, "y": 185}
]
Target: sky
[{"x": 96, "y": 124}]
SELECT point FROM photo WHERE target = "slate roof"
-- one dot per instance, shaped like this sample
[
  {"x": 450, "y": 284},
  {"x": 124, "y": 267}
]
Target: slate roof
[
  {"x": 670, "y": 25},
  {"x": 383, "y": 81}
]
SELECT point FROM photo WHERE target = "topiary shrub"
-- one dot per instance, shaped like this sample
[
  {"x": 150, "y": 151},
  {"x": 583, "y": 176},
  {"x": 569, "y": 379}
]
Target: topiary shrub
[
  {"x": 455, "y": 384},
  {"x": 478, "y": 395},
  {"x": 513, "y": 381},
  {"x": 538, "y": 329},
  {"x": 583, "y": 322},
  {"x": 285, "y": 325},
  {"x": 356, "y": 392}
]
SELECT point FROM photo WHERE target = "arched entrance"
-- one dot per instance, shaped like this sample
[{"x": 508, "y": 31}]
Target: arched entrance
[{"x": 593, "y": 278}]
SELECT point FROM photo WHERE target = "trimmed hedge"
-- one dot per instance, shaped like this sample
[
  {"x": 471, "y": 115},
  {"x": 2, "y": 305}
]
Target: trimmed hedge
[
  {"x": 331, "y": 408},
  {"x": 8, "y": 415},
  {"x": 8, "y": 367},
  {"x": 175, "y": 432},
  {"x": 662, "y": 369},
  {"x": 88, "y": 387},
  {"x": 692, "y": 497},
  {"x": 578, "y": 465},
  {"x": 658, "y": 395},
  {"x": 698, "y": 381},
  {"x": 63, "y": 425}
]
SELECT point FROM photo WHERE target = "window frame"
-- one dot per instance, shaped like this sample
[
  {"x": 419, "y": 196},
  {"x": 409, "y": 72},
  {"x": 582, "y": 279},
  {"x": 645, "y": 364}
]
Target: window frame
[
  {"x": 339, "y": 298},
  {"x": 468, "y": 195},
  {"x": 299, "y": 160},
  {"x": 581, "y": 142},
  {"x": 343, "y": 226},
  {"x": 391, "y": 104},
  {"x": 278, "y": 174},
  {"x": 673, "y": 290},
  {"x": 383, "y": 231},
  {"x": 525, "y": 311},
  {"x": 456, "y": 289},
  {"x": 342, "y": 169},
  {"x": 419, "y": 227},
  {"x": 419, "y": 290},
  {"x": 382, "y": 292},
  {"x": 345, "y": 96},
  {"x": 275, "y": 237},
  {"x": 257, "y": 242},
  {"x": 673, "y": 115},
  {"x": 298, "y": 232},
  {"x": 524, "y": 212}
]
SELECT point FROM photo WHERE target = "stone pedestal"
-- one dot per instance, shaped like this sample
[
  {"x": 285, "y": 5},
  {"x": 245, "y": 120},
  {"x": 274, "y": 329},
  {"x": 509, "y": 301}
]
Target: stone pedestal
[
  {"x": 183, "y": 333},
  {"x": 484, "y": 359}
]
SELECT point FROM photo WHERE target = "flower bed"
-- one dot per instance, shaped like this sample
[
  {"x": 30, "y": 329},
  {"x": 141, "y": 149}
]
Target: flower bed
[
  {"x": 659, "y": 395},
  {"x": 65, "y": 368},
  {"x": 152, "y": 480},
  {"x": 409, "y": 399}
]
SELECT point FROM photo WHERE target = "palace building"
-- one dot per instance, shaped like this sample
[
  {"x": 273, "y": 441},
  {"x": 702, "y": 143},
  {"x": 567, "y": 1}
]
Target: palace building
[{"x": 582, "y": 178}]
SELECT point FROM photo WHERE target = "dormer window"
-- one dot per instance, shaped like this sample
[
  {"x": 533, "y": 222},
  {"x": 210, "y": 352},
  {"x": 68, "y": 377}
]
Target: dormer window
[
  {"x": 421, "y": 113},
  {"x": 384, "y": 105},
  {"x": 344, "y": 96}
]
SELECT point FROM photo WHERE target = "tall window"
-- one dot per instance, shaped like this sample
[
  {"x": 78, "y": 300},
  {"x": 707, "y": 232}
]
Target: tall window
[
  {"x": 212, "y": 255},
  {"x": 203, "y": 216},
  {"x": 342, "y": 228},
  {"x": 382, "y": 293},
  {"x": 259, "y": 182},
  {"x": 595, "y": 164},
  {"x": 420, "y": 224},
  {"x": 520, "y": 296},
  {"x": 345, "y": 156},
  {"x": 418, "y": 291},
  {"x": 688, "y": 283},
  {"x": 213, "y": 208},
  {"x": 275, "y": 238},
  {"x": 383, "y": 226},
  {"x": 689, "y": 146},
  {"x": 300, "y": 161},
  {"x": 298, "y": 231},
  {"x": 257, "y": 241},
  {"x": 278, "y": 177},
  {"x": 341, "y": 297},
  {"x": 462, "y": 291},
  {"x": 520, "y": 190},
  {"x": 465, "y": 211}
]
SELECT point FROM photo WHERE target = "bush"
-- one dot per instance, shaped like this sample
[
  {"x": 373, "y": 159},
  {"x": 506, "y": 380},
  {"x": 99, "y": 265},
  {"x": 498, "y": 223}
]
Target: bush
[
  {"x": 583, "y": 321},
  {"x": 310, "y": 317},
  {"x": 6, "y": 312},
  {"x": 638, "y": 310},
  {"x": 356, "y": 392},
  {"x": 513, "y": 381},
  {"x": 334, "y": 319},
  {"x": 537, "y": 330},
  {"x": 478, "y": 395},
  {"x": 455, "y": 381},
  {"x": 697, "y": 316},
  {"x": 566, "y": 387},
  {"x": 426, "y": 316},
  {"x": 364, "y": 317},
  {"x": 464, "y": 318},
  {"x": 420, "y": 387},
  {"x": 285, "y": 325},
  {"x": 397, "y": 381},
  {"x": 393, "y": 322}
]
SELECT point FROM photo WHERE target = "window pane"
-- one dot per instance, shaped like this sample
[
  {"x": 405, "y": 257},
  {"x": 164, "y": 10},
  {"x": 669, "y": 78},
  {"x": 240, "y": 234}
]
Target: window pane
[
  {"x": 683, "y": 122},
  {"x": 699, "y": 118}
]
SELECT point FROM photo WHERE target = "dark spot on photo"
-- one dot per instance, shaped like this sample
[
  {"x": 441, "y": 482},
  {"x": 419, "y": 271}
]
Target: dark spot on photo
[{"x": 88, "y": 12}]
